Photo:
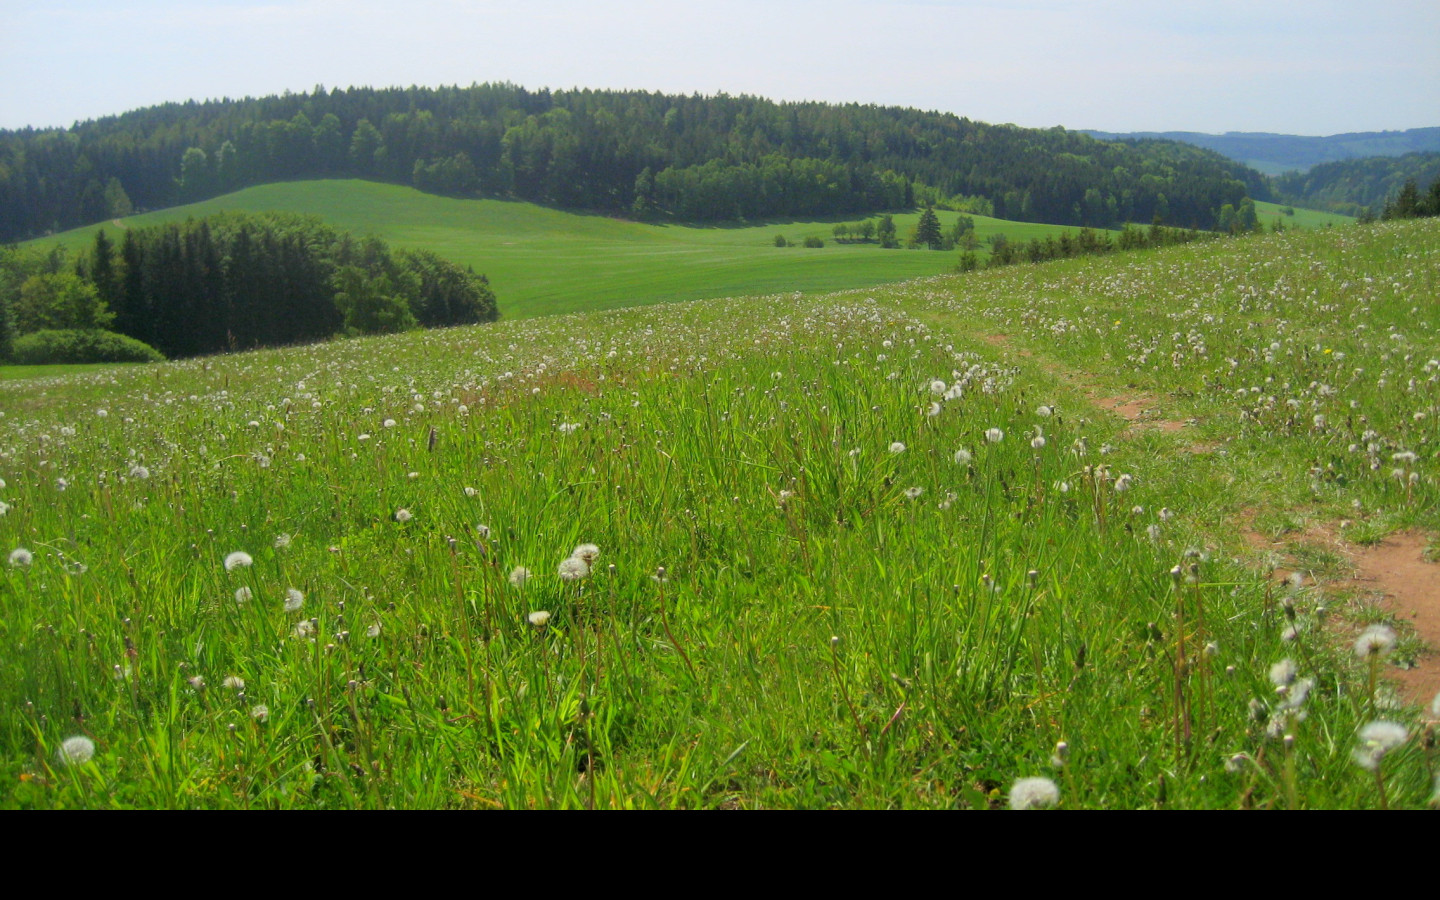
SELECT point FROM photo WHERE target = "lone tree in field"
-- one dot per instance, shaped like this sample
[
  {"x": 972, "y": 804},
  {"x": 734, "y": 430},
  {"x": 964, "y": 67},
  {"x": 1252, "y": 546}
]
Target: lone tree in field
[{"x": 927, "y": 232}]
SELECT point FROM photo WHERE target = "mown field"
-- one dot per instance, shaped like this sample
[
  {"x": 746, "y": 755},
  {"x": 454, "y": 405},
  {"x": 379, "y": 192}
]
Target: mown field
[
  {"x": 543, "y": 261},
  {"x": 877, "y": 548}
]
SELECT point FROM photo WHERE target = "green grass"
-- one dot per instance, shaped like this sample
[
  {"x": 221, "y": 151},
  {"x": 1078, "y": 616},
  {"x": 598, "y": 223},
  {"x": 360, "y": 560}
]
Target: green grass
[
  {"x": 851, "y": 613},
  {"x": 543, "y": 261},
  {"x": 1270, "y": 213},
  {"x": 14, "y": 372}
]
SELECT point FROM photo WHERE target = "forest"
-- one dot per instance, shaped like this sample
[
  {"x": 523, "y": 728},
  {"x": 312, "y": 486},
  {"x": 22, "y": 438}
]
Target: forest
[
  {"x": 637, "y": 153},
  {"x": 1357, "y": 186},
  {"x": 230, "y": 282}
]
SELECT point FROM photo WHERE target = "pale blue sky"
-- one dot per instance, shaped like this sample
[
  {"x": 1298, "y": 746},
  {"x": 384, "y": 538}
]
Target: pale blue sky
[{"x": 1290, "y": 66}]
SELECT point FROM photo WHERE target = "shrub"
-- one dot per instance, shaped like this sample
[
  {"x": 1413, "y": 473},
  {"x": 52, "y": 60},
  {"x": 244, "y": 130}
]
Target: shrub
[
  {"x": 814, "y": 242},
  {"x": 780, "y": 241},
  {"x": 90, "y": 346}
]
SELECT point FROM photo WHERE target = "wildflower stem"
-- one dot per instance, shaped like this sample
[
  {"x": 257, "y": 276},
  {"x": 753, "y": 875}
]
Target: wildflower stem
[
  {"x": 665, "y": 621},
  {"x": 845, "y": 694}
]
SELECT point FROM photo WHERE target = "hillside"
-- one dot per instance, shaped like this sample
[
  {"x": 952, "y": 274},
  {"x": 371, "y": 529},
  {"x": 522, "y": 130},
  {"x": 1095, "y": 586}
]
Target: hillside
[
  {"x": 1093, "y": 534},
  {"x": 1275, "y": 154},
  {"x": 543, "y": 261},
  {"x": 650, "y": 155},
  {"x": 1355, "y": 185}
]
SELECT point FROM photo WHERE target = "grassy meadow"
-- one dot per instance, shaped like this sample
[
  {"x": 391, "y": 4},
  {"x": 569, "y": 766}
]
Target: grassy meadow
[
  {"x": 542, "y": 261},
  {"x": 885, "y": 547}
]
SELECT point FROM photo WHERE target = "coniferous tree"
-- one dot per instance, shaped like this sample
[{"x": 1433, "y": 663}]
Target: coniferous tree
[{"x": 927, "y": 231}]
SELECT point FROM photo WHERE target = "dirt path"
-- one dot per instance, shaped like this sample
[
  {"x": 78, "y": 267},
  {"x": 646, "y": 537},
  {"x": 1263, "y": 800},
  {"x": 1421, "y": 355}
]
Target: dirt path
[{"x": 1395, "y": 575}]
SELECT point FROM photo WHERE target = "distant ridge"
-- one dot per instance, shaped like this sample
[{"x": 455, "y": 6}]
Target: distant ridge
[{"x": 1277, "y": 153}]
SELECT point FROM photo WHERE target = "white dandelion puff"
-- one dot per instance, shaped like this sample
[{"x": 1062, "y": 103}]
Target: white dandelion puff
[
  {"x": 994, "y": 435},
  {"x": 234, "y": 682},
  {"x": 587, "y": 552},
  {"x": 260, "y": 713},
  {"x": 1282, "y": 673},
  {"x": 1377, "y": 640},
  {"x": 21, "y": 558},
  {"x": 243, "y": 595},
  {"x": 518, "y": 576},
  {"x": 914, "y": 493},
  {"x": 1034, "y": 793},
  {"x": 574, "y": 569},
  {"x": 282, "y": 541},
  {"x": 1376, "y": 740},
  {"x": 963, "y": 457},
  {"x": 294, "y": 600},
  {"x": 75, "y": 751},
  {"x": 897, "y": 447},
  {"x": 539, "y": 618},
  {"x": 402, "y": 515},
  {"x": 238, "y": 560}
]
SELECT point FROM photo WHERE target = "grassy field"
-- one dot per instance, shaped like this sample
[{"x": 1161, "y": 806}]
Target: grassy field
[
  {"x": 1270, "y": 213},
  {"x": 880, "y": 548},
  {"x": 12, "y": 372},
  {"x": 542, "y": 261}
]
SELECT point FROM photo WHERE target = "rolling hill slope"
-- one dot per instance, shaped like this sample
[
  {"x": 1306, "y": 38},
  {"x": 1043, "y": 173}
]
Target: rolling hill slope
[{"x": 542, "y": 261}]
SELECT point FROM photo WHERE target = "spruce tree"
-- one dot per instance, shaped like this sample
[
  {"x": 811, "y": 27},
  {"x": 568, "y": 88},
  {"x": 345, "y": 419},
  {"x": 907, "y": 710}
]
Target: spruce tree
[{"x": 927, "y": 232}]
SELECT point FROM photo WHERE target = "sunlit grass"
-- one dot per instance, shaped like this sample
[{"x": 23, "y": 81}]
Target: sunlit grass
[{"x": 851, "y": 611}]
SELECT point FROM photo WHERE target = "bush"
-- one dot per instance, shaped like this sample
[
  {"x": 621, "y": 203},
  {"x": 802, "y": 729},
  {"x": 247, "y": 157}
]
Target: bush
[
  {"x": 780, "y": 241},
  {"x": 91, "y": 346},
  {"x": 814, "y": 242}
]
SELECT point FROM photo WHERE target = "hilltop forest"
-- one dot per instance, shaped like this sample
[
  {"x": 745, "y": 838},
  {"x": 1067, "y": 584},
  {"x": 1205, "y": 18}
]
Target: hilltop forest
[{"x": 650, "y": 155}]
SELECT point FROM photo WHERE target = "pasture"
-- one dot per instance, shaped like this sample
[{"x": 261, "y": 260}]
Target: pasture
[
  {"x": 542, "y": 261},
  {"x": 901, "y": 546}
]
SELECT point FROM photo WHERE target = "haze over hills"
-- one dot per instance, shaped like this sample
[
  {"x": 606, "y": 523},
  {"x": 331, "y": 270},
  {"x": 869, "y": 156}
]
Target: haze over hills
[{"x": 1274, "y": 154}]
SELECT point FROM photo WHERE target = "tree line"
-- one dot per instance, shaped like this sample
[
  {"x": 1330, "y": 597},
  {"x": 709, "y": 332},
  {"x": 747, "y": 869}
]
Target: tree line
[
  {"x": 634, "y": 152},
  {"x": 1358, "y": 187},
  {"x": 235, "y": 281}
]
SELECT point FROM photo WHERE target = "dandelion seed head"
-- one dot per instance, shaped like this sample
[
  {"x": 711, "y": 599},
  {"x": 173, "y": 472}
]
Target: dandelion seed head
[
  {"x": 994, "y": 435},
  {"x": 234, "y": 682},
  {"x": 539, "y": 618},
  {"x": 573, "y": 569},
  {"x": 21, "y": 558},
  {"x": 75, "y": 751},
  {"x": 1034, "y": 793},
  {"x": 963, "y": 457},
  {"x": 238, "y": 560},
  {"x": 282, "y": 541},
  {"x": 294, "y": 600},
  {"x": 587, "y": 552},
  {"x": 1282, "y": 673},
  {"x": 402, "y": 515},
  {"x": 914, "y": 493},
  {"x": 897, "y": 447},
  {"x": 260, "y": 713},
  {"x": 518, "y": 576},
  {"x": 1377, "y": 640},
  {"x": 243, "y": 595},
  {"x": 1376, "y": 740}
]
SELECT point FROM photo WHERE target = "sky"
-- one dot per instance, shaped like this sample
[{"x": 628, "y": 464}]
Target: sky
[{"x": 1314, "y": 67}]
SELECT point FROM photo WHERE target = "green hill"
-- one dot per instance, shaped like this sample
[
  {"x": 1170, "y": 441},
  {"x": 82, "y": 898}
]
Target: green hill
[{"x": 543, "y": 261}]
